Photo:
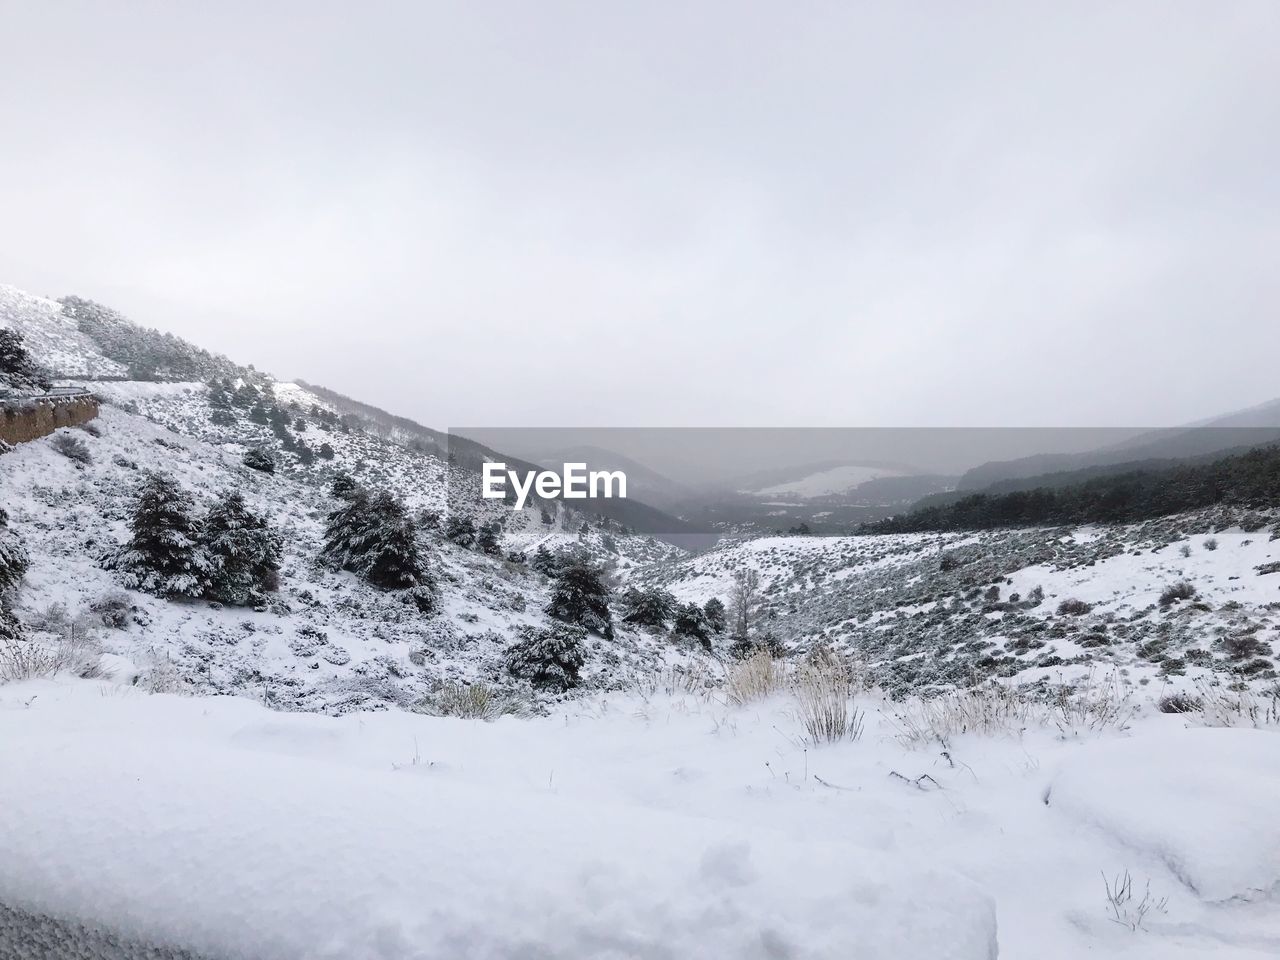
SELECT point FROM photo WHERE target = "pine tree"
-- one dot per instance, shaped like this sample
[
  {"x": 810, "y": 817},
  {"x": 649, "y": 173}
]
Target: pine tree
[
  {"x": 391, "y": 559},
  {"x": 258, "y": 413},
  {"x": 581, "y": 596},
  {"x": 13, "y": 558},
  {"x": 374, "y": 538},
  {"x": 17, "y": 369},
  {"x": 343, "y": 487},
  {"x": 691, "y": 621},
  {"x": 487, "y": 540},
  {"x": 648, "y": 607},
  {"x": 163, "y": 555},
  {"x": 257, "y": 459},
  {"x": 714, "y": 610},
  {"x": 461, "y": 530},
  {"x": 550, "y": 659},
  {"x": 345, "y": 531},
  {"x": 326, "y": 452},
  {"x": 242, "y": 551}
]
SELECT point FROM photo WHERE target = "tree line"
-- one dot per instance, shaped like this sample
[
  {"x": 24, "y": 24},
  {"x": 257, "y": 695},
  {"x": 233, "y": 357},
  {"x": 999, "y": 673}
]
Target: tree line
[{"x": 1249, "y": 479}]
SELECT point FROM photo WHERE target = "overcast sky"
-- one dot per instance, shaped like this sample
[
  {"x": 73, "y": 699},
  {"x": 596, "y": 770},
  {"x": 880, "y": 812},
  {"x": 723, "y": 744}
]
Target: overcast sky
[{"x": 608, "y": 213}]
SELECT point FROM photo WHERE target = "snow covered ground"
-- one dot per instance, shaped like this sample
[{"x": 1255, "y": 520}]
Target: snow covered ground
[{"x": 665, "y": 825}]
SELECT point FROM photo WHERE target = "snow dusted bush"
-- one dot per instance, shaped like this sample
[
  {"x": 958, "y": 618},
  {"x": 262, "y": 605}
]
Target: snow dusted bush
[
  {"x": 648, "y": 606},
  {"x": 260, "y": 460},
  {"x": 1211, "y": 543},
  {"x": 1174, "y": 592},
  {"x": 71, "y": 447},
  {"x": 114, "y": 609},
  {"x": 1072, "y": 607},
  {"x": 163, "y": 555},
  {"x": 549, "y": 658},
  {"x": 691, "y": 621}
]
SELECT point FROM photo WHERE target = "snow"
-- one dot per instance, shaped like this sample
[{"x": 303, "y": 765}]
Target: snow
[
  {"x": 217, "y": 826},
  {"x": 1214, "y": 822},
  {"x": 626, "y": 826},
  {"x": 826, "y": 483}
]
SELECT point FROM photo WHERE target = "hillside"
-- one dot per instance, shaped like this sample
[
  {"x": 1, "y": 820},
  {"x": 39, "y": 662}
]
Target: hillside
[
  {"x": 325, "y": 640},
  {"x": 932, "y": 743}
]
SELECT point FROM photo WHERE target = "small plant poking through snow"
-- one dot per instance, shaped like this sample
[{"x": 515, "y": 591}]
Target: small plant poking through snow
[
  {"x": 756, "y": 677},
  {"x": 1221, "y": 707},
  {"x": 1180, "y": 703},
  {"x": 1124, "y": 909},
  {"x": 824, "y": 692},
  {"x": 475, "y": 701}
]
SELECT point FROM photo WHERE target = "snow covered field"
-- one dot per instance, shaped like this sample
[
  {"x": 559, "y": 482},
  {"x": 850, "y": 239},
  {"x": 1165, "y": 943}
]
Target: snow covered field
[{"x": 665, "y": 825}]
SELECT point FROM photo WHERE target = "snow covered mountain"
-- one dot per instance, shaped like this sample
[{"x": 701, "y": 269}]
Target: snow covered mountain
[
  {"x": 326, "y": 640},
  {"x": 924, "y": 744}
]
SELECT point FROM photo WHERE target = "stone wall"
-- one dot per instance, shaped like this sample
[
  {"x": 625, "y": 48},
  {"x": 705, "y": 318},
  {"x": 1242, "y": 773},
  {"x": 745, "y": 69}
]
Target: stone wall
[{"x": 30, "y": 418}]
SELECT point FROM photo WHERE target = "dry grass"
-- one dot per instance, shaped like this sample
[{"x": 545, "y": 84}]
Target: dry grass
[
  {"x": 1089, "y": 706},
  {"x": 989, "y": 710},
  {"x": 1222, "y": 707},
  {"x": 755, "y": 678},
  {"x": 33, "y": 659},
  {"x": 823, "y": 689},
  {"x": 475, "y": 701},
  {"x": 697, "y": 680}
]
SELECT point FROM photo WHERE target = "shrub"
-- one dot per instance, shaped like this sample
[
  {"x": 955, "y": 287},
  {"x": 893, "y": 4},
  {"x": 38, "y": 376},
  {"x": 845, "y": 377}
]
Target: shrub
[
  {"x": 691, "y": 621},
  {"x": 648, "y": 607},
  {"x": 1180, "y": 703},
  {"x": 716, "y": 616},
  {"x": 1211, "y": 543},
  {"x": 260, "y": 460},
  {"x": 474, "y": 701},
  {"x": 114, "y": 609},
  {"x": 1071, "y": 607},
  {"x": 1242, "y": 646},
  {"x": 71, "y": 447},
  {"x": 549, "y": 658},
  {"x": 1174, "y": 592}
]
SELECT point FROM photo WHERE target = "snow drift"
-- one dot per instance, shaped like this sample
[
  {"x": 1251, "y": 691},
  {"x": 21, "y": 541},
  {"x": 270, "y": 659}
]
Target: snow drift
[{"x": 212, "y": 844}]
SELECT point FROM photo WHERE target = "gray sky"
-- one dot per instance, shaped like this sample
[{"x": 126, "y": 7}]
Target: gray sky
[{"x": 730, "y": 213}]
